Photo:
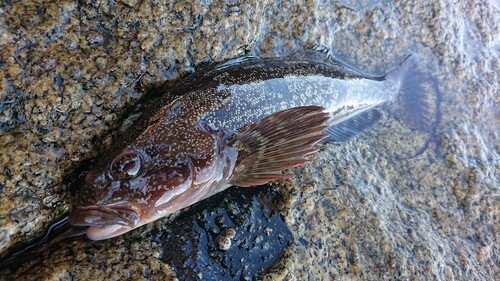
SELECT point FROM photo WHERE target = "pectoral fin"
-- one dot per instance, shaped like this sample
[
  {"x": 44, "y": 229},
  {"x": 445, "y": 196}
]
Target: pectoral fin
[{"x": 277, "y": 142}]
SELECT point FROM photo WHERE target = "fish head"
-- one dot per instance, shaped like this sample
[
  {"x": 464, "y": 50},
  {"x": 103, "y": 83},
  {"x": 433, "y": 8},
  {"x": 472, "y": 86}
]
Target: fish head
[
  {"x": 164, "y": 163},
  {"x": 128, "y": 189}
]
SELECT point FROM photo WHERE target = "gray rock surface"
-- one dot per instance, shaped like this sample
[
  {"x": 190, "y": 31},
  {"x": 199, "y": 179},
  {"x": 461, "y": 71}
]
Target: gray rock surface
[{"x": 69, "y": 71}]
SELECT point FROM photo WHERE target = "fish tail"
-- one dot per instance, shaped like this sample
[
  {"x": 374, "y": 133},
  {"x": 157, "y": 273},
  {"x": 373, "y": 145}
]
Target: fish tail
[{"x": 416, "y": 103}]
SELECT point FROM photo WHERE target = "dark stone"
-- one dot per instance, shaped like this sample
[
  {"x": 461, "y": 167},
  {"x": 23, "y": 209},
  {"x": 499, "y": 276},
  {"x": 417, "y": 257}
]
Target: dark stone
[{"x": 190, "y": 244}]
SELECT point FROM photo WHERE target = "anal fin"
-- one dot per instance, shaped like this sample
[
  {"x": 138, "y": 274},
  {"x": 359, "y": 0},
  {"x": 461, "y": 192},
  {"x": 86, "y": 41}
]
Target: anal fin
[
  {"x": 277, "y": 142},
  {"x": 351, "y": 125}
]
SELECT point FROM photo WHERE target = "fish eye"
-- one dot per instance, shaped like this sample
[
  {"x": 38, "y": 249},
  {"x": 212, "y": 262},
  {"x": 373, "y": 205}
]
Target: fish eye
[{"x": 126, "y": 166}]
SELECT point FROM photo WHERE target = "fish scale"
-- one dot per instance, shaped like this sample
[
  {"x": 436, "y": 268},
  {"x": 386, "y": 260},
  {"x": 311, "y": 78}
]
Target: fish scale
[{"x": 251, "y": 102}]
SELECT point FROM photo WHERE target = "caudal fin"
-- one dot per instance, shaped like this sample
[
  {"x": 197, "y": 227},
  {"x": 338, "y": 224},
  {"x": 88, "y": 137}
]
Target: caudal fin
[{"x": 417, "y": 100}]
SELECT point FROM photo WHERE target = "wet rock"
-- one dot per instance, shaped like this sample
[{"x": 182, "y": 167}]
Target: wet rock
[
  {"x": 11, "y": 108},
  {"x": 357, "y": 212},
  {"x": 235, "y": 235}
]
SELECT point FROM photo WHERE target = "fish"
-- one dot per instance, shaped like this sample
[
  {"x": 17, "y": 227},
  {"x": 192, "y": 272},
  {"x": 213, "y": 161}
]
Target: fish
[{"x": 240, "y": 123}]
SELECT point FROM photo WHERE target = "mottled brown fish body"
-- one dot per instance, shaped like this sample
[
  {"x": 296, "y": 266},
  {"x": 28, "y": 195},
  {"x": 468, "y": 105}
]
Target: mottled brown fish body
[{"x": 239, "y": 123}]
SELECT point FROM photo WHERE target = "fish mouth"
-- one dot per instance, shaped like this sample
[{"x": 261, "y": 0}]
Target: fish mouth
[
  {"x": 101, "y": 232},
  {"x": 122, "y": 214}
]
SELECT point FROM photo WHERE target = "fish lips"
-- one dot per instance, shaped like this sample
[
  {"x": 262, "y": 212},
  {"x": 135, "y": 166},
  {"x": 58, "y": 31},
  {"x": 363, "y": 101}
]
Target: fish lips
[{"x": 106, "y": 221}]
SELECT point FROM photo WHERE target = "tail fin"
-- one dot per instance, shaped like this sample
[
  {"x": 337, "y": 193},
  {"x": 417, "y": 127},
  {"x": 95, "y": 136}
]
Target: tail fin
[
  {"x": 417, "y": 100},
  {"x": 416, "y": 103}
]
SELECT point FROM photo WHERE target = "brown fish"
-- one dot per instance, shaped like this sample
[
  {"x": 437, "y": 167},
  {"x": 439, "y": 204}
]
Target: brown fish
[{"x": 240, "y": 123}]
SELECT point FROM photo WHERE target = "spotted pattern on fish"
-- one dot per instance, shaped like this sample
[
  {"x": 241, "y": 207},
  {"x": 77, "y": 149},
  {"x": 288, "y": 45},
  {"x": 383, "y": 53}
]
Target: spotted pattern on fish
[{"x": 242, "y": 122}]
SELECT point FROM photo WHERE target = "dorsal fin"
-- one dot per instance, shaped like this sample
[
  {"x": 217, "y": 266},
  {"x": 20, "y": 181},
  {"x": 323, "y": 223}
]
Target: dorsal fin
[{"x": 277, "y": 142}]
